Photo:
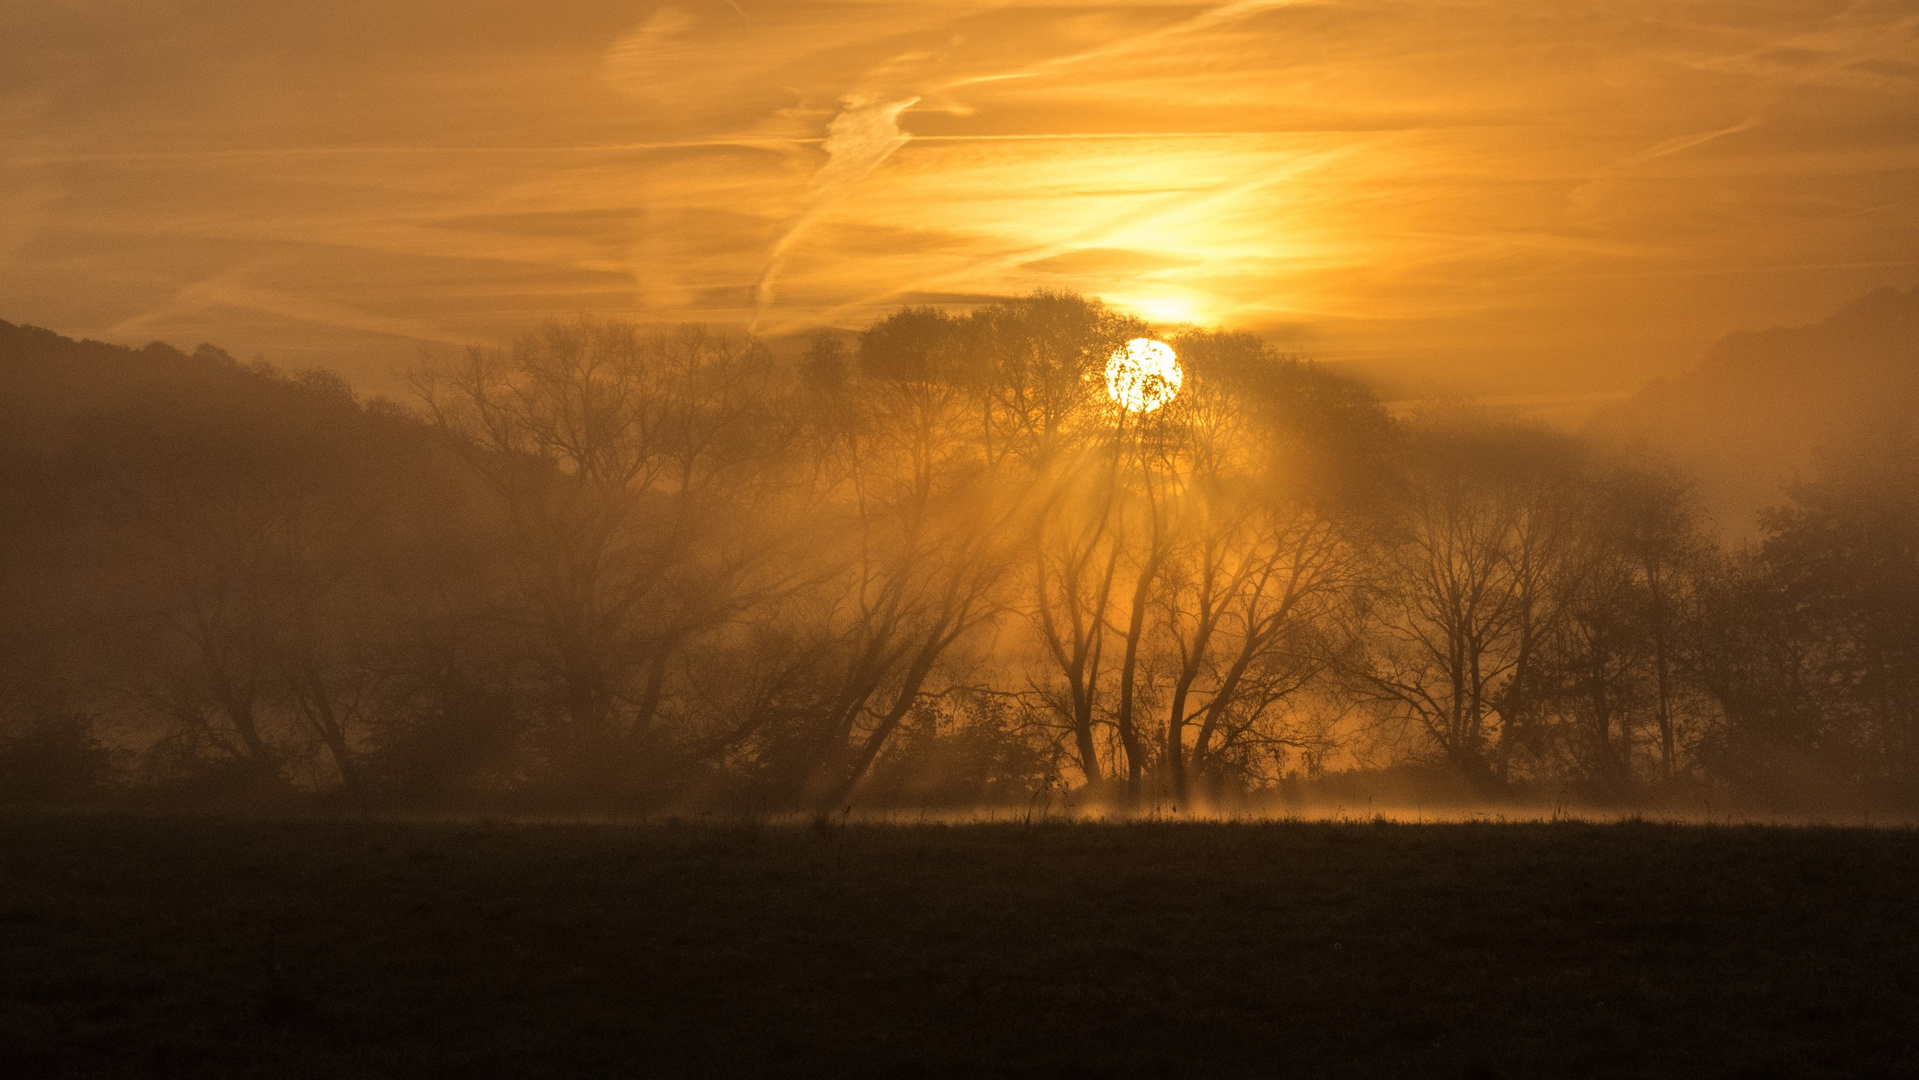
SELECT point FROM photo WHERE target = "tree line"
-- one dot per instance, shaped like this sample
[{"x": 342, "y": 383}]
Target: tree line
[{"x": 623, "y": 567}]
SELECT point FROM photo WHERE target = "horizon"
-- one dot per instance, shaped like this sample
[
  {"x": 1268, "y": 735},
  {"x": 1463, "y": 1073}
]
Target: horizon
[{"x": 1557, "y": 411}]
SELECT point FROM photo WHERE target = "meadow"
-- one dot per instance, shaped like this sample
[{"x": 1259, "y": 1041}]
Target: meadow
[{"x": 234, "y": 947}]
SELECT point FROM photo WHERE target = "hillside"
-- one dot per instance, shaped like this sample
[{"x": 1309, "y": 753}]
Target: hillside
[
  {"x": 47, "y": 380},
  {"x": 1766, "y": 406}
]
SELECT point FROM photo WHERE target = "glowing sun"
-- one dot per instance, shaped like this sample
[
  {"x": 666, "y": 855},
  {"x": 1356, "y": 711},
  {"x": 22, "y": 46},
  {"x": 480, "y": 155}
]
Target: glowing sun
[{"x": 1143, "y": 376}]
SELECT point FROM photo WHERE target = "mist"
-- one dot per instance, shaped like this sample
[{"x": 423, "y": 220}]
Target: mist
[{"x": 615, "y": 568}]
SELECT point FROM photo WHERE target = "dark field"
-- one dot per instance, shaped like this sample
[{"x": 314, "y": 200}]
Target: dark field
[{"x": 230, "y": 948}]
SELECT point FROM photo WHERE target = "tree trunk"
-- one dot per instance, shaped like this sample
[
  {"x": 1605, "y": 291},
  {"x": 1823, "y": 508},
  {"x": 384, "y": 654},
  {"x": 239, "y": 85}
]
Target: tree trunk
[
  {"x": 1128, "y": 675},
  {"x": 909, "y": 692}
]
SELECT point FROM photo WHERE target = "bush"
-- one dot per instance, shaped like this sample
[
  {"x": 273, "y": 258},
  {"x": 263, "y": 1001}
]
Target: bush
[
  {"x": 470, "y": 743},
  {"x": 55, "y": 758}
]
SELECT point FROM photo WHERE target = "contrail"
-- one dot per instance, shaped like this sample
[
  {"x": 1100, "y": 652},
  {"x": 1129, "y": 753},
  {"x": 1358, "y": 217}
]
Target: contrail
[
  {"x": 1581, "y": 197},
  {"x": 744, "y": 142},
  {"x": 1263, "y": 178},
  {"x": 1685, "y": 142},
  {"x": 864, "y": 134},
  {"x": 1210, "y": 17},
  {"x": 867, "y": 132}
]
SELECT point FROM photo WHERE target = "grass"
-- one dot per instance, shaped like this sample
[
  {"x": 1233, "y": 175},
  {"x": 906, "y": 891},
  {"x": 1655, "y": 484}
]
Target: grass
[{"x": 140, "y": 946}]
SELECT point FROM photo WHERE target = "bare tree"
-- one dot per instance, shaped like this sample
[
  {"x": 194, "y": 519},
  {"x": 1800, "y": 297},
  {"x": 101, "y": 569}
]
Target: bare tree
[
  {"x": 1034, "y": 364},
  {"x": 910, "y": 536},
  {"x": 1468, "y": 593},
  {"x": 1076, "y": 552},
  {"x": 630, "y": 468},
  {"x": 1257, "y": 569},
  {"x": 263, "y": 530},
  {"x": 1669, "y": 556}
]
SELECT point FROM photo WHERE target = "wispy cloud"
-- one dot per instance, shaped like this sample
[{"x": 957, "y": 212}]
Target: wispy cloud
[
  {"x": 1460, "y": 189},
  {"x": 864, "y": 134},
  {"x": 1684, "y": 142}
]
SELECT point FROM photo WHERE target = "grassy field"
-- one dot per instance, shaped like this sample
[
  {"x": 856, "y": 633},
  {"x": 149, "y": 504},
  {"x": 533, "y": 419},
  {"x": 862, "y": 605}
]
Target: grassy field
[{"x": 133, "y": 946}]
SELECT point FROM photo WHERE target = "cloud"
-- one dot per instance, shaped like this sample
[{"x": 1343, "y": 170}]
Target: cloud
[
  {"x": 1458, "y": 189},
  {"x": 1685, "y": 142},
  {"x": 865, "y": 133}
]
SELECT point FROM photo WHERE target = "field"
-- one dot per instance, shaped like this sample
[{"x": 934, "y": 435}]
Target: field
[{"x": 143, "y": 946}]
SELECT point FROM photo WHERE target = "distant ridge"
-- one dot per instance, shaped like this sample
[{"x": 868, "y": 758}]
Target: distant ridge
[
  {"x": 1766, "y": 406},
  {"x": 46, "y": 379}
]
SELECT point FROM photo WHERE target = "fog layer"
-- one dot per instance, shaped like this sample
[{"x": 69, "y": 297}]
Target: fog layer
[{"x": 614, "y": 568}]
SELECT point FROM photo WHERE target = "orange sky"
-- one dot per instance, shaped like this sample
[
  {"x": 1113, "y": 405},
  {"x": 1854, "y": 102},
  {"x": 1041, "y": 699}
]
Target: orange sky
[{"x": 1546, "y": 202}]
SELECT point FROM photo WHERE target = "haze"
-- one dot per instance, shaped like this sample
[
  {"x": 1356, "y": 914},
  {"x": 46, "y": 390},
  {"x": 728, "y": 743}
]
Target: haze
[{"x": 1542, "y": 203}]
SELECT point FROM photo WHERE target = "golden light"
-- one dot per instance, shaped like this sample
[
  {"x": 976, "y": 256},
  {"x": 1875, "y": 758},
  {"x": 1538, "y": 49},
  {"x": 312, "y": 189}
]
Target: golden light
[
  {"x": 1143, "y": 376},
  {"x": 1165, "y": 308}
]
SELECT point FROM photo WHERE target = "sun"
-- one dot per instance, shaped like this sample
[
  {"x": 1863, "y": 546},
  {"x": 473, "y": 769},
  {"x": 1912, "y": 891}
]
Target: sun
[{"x": 1143, "y": 376}]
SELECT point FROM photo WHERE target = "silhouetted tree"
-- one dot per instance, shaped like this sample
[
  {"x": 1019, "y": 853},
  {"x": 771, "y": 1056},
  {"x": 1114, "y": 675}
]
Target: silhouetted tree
[
  {"x": 1815, "y": 647},
  {"x": 615, "y": 563},
  {"x": 629, "y": 467},
  {"x": 1471, "y": 589}
]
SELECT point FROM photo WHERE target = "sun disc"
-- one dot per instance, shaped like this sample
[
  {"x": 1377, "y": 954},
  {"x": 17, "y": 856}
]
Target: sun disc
[{"x": 1143, "y": 376}]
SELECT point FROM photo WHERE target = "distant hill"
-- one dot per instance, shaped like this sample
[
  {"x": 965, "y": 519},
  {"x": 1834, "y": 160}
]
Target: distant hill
[
  {"x": 1766, "y": 406},
  {"x": 47, "y": 380}
]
